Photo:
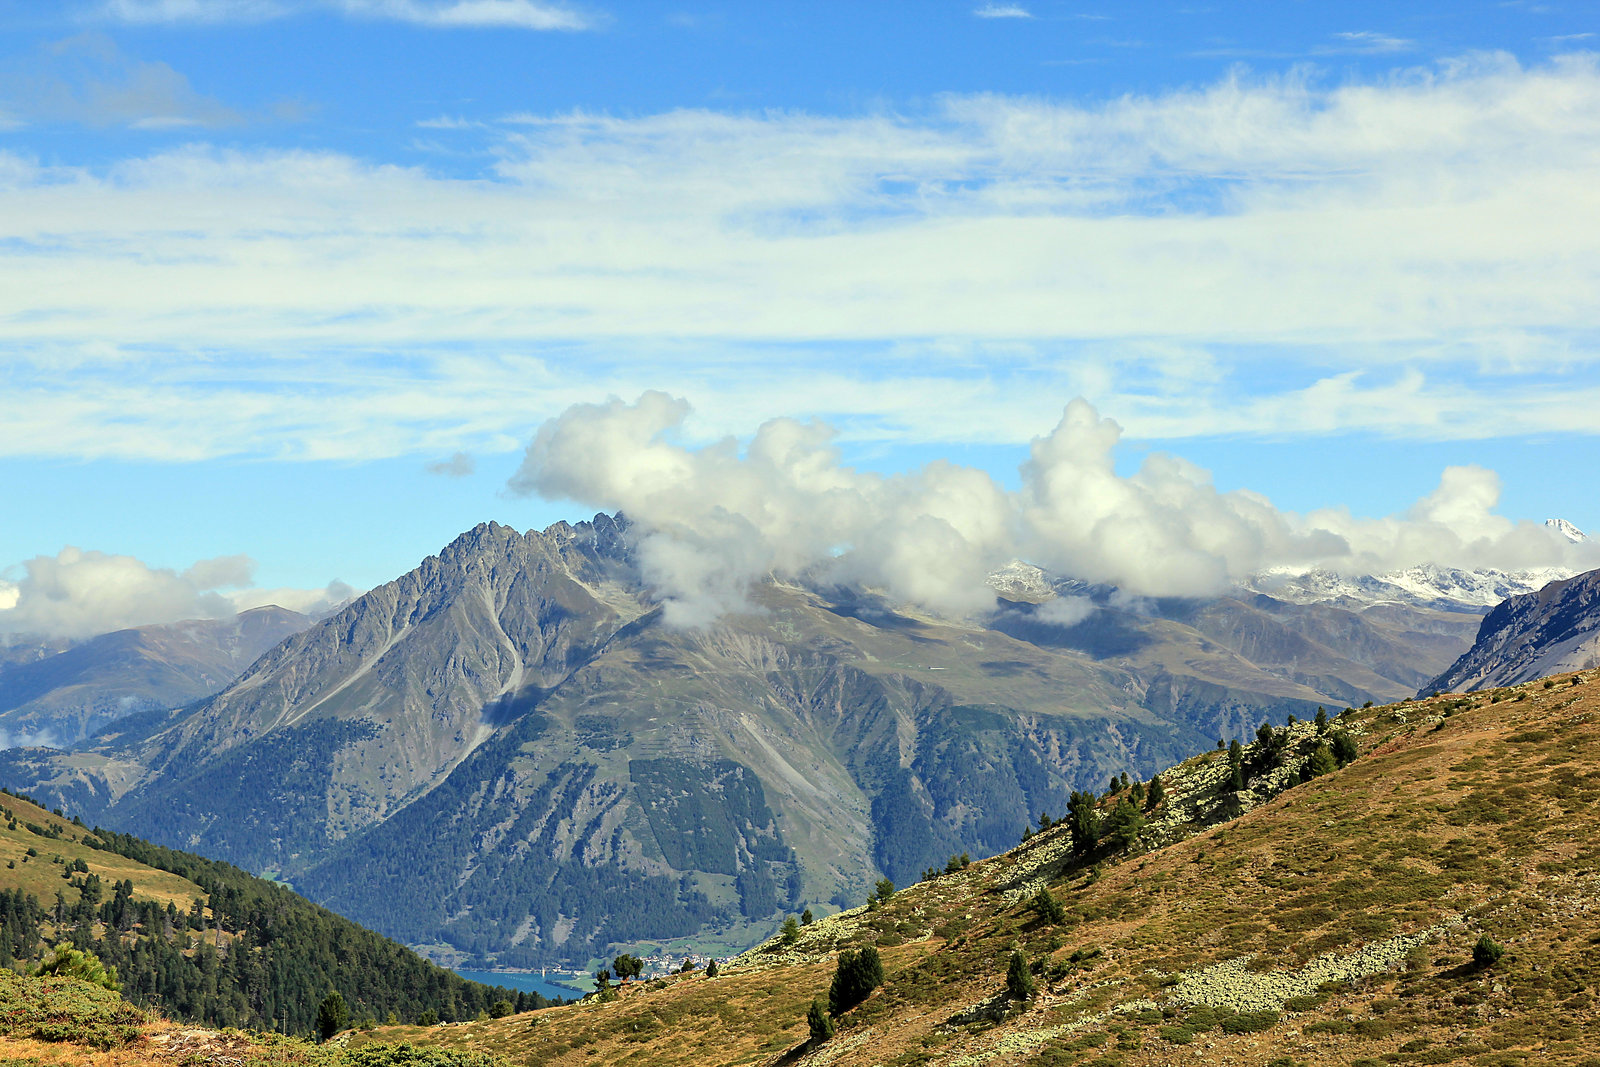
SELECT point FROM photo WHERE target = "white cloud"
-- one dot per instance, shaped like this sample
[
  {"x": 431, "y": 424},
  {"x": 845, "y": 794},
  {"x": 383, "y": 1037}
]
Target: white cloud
[
  {"x": 1402, "y": 250},
  {"x": 178, "y": 11},
  {"x": 1366, "y": 43},
  {"x": 711, "y": 520},
  {"x": 1002, "y": 11},
  {"x": 79, "y": 593},
  {"x": 454, "y": 14},
  {"x": 443, "y": 14}
]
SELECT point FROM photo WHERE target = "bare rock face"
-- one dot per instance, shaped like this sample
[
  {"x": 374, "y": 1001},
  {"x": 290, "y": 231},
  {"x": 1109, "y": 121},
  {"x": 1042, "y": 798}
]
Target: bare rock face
[
  {"x": 1554, "y": 630},
  {"x": 506, "y": 751}
]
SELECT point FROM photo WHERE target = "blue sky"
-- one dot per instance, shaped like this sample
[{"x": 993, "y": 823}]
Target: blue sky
[{"x": 270, "y": 264}]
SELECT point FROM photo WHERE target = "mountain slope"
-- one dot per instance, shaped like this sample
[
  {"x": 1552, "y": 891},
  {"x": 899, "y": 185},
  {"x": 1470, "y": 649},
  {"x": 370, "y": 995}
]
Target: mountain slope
[
  {"x": 1553, "y": 630},
  {"x": 72, "y": 692},
  {"x": 1334, "y": 922},
  {"x": 204, "y": 940},
  {"x": 507, "y": 752}
]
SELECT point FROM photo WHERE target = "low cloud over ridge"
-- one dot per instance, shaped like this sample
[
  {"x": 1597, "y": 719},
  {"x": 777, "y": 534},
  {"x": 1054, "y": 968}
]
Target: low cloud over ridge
[
  {"x": 78, "y": 593},
  {"x": 712, "y": 520}
]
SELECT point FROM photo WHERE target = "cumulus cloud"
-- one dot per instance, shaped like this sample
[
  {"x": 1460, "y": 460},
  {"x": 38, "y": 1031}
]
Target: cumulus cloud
[
  {"x": 313, "y": 602},
  {"x": 78, "y": 593},
  {"x": 709, "y": 521}
]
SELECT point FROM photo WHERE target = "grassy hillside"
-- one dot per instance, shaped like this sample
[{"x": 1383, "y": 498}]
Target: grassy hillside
[
  {"x": 203, "y": 940},
  {"x": 1330, "y": 921}
]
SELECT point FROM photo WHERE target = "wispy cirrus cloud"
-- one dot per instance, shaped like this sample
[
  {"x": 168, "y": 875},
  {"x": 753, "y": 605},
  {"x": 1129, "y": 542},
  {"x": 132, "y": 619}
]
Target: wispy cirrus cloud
[
  {"x": 1365, "y": 43},
  {"x": 442, "y": 14},
  {"x": 1002, "y": 11}
]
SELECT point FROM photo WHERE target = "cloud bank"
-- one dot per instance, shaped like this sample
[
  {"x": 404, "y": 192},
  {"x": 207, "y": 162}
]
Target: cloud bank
[
  {"x": 709, "y": 521},
  {"x": 79, "y": 593},
  {"x": 1402, "y": 252}
]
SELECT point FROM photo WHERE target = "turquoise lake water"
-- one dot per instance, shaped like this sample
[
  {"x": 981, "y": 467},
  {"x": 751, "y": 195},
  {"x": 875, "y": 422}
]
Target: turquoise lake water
[{"x": 528, "y": 983}]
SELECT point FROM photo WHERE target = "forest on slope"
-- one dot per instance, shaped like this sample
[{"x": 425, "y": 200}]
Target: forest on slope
[{"x": 205, "y": 941}]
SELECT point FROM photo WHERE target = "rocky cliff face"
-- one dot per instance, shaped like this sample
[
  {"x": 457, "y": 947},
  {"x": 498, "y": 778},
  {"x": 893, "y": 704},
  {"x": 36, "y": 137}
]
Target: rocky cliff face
[
  {"x": 1554, "y": 630},
  {"x": 508, "y": 752}
]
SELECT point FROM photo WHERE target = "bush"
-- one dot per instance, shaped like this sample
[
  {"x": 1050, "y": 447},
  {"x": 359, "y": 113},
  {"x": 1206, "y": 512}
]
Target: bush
[
  {"x": 1487, "y": 952},
  {"x": 408, "y": 1055},
  {"x": 501, "y": 1008},
  {"x": 1249, "y": 1022},
  {"x": 68, "y": 962}
]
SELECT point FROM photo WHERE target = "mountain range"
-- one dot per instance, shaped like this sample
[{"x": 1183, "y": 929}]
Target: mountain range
[
  {"x": 56, "y": 692},
  {"x": 507, "y": 754}
]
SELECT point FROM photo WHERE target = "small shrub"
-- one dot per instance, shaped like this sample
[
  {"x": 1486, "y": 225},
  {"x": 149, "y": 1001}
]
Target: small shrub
[
  {"x": 1487, "y": 952},
  {"x": 408, "y": 1055},
  {"x": 1176, "y": 1035},
  {"x": 1249, "y": 1022}
]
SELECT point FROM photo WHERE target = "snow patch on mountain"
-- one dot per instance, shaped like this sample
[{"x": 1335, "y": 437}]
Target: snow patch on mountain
[
  {"x": 1567, "y": 530},
  {"x": 1420, "y": 586}
]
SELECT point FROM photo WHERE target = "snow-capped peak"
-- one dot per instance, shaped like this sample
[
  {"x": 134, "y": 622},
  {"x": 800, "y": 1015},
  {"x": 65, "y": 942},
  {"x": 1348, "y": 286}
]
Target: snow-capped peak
[{"x": 1567, "y": 530}]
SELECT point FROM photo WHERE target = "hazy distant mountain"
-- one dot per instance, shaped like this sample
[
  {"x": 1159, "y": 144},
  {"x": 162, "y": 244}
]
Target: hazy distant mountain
[
  {"x": 57, "y": 692},
  {"x": 506, "y": 750},
  {"x": 1554, "y": 630}
]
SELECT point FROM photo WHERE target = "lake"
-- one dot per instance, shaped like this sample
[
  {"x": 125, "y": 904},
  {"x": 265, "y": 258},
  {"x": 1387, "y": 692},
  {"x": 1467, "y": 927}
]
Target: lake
[{"x": 528, "y": 983}]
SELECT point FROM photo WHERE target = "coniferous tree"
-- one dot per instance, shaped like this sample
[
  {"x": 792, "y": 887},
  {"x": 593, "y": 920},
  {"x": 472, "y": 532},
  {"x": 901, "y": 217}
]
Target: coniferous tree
[
  {"x": 1124, "y": 825},
  {"x": 1083, "y": 821},
  {"x": 332, "y": 1015},
  {"x": 856, "y": 975},
  {"x": 1048, "y": 907},
  {"x": 806, "y": 918},
  {"x": 1156, "y": 794},
  {"x": 818, "y": 1022},
  {"x": 1236, "y": 765},
  {"x": 790, "y": 933},
  {"x": 1019, "y": 980}
]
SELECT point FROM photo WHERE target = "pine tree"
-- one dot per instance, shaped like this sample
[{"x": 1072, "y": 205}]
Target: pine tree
[
  {"x": 1019, "y": 980},
  {"x": 806, "y": 918},
  {"x": 790, "y": 932},
  {"x": 1048, "y": 907},
  {"x": 332, "y": 1015},
  {"x": 1156, "y": 795},
  {"x": 818, "y": 1022},
  {"x": 856, "y": 975},
  {"x": 1083, "y": 821}
]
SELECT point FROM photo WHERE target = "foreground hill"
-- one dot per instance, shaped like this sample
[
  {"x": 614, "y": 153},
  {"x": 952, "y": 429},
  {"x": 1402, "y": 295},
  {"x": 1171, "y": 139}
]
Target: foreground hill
[
  {"x": 1332, "y": 922},
  {"x": 507, "y": 754},
  {"x": 59, "y": 693},
  {"x": 1536, "y": 634},
  {"x": 203, "y": 940}
]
